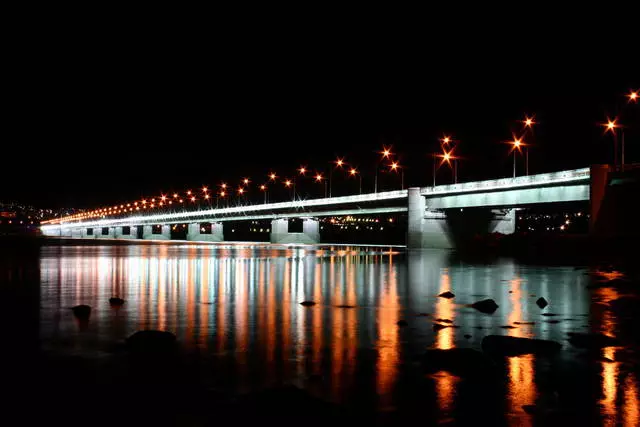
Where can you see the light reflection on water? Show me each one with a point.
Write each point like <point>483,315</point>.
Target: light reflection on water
<point>241,303</point>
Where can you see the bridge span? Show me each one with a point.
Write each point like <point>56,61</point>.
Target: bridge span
<point>434,213</point>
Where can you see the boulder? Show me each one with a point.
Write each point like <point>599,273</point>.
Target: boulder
<point>444,320</point>
<point>497,345</point>
<point>308,303</point>
<point>467,336</point>
<point>447,295</point>
<point>81,311</point>
<point>541,302</point>
<point>402,323</point>
<point>488,306</point>
<point>345,306</point>
<point>592,341</point>
<point>151,341</point>
<point>422,315</point>
<point>437,327</point>
<point>458,361</point>
<point>115,301</point>
<point>524,323</point>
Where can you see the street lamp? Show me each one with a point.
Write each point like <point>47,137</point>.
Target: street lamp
<point>517,145</point>
<point>354,172</point>
<point>319,178</point>
<point>288,184</point>
<point>446,156</point>
<point>611,126</point>
<point>394,167</point>
<point>264,189</point>
<point>339,163</point>
<point>633,96</point>
<point>386,154</point>
<point>528,123</point>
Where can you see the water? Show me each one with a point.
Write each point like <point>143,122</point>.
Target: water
<point>240,305</point>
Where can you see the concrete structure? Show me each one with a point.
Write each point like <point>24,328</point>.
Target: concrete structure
<point>280,232</point>
<point>437,216</point>
<point>104,232</point>
<point>121,232</point>
<point>148,234</point>
<point>195,232</point>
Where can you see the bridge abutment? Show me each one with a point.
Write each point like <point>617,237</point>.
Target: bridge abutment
<point>280,232</point>
<point>148,234</point>
<point>195,233</point>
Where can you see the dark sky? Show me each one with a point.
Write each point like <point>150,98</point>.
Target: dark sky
<point>103,116</point>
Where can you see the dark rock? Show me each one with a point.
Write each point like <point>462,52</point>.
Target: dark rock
<point>402,323</point>
<point>552,321</point>
<point>206,302</point>
<point>497,345</point>
<point>151,341</point>
<point>626,307</point>
<point>437,327</point>
<point>541,302</point>
<point>532,295</point>
<point>447,294</point>
<point>308,303</point>
<point>524,323</point>
<point>478,327</point>
<point>508,327</point>
<point>467,336</point>
<point>510,292</point>
<point>81,311</point>
<point>444,320</point>
<point>345,306</point>
<point>458,361</point>
<point>592,341</point>
<point>488,306</point>
<point>422,315</point>
<point>549,314</point>
<point>116,301</point>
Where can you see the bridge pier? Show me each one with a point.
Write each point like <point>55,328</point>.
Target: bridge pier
<point>194,233</point>
<point>104,232</point>
<point>88,233</point>
<point>310,232</point>
<point>126,232</point>
<point>443,228</point>
<point>165,234</point>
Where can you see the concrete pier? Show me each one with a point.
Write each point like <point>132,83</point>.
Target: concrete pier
<point>147,233</point>
<point>126,232</point>
<point>195,233</point>
<point>280,232</point>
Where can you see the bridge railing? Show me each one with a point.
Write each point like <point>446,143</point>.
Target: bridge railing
<point>576,175</point>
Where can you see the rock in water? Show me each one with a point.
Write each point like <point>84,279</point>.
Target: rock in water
<point>447,295</point>
<point>498,345</point>
<point>151,341</point>
<point>81,311</point>
<point>437,327</point>
<point>402,323</point>
<point>467,336</point>
<point>488,306</point>
<point>593,341</point>
<point>308,303</point>
<point>116,301</point>
<point>541,302</point>
<point>458,361</point>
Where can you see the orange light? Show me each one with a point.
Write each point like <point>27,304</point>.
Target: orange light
<point>163,198</point>
<point>144,202</point>
<point>135,204</point>
<point>272,176</point>
<point>263,187</point>
<point>206,196</point>
<point>287,183</point>
<point>339,162</point>
<point>222,194</point>
<point>386,152</point>
<point>170,202</point>
<point>353,171</point>
<point>223,185</point>
<point>188,192</point>
<point>302,170</point>
<point>246,181</point>
<point>161,203</point>
<point>318,177</point>
<point>175,195</point>
<point>394,165</point>
<point>633,96</point>
<point>181,201</point>
<point>517,142</point>
<point>193,199</point>
<point>128,204</point>
<point>528,122</point>
<point>446,140</point>
<point>205,189</point>
<point>240,190</point>
<point>611,125</point>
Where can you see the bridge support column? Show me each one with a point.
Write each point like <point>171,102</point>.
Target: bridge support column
<point>76,233</point>
<point>503,222</point>
<point>426,229</point>
<point>194,233</point>
<point>120,232</point>
<point>99,232</point>
<point>310,232</point>
<point>147,233</point>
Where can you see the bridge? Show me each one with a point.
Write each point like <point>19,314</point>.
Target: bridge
<point>435,214</point>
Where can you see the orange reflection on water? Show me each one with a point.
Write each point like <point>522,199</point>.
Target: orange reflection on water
<point>445,382</point>
<point>388,342</point>
<point>522,385</point>
<point>631,408</point>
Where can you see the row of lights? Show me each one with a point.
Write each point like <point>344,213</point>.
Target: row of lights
<point>447,145</point>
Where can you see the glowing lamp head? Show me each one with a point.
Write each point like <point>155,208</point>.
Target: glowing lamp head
<point>163,198</point>
<point>353,171</point>
<point>394,166</point>
<point>339,162</point>
<point>446,156</point>
<point>302,170</point>
<point>188,192</point>
<point>223,185</point>
<point>272,176</point>
<point>446,140</point>
<point>263,187</point>
<point>193,199</point>
<point>611,125</point>
<point>386,153</point>
<point>517,143</point>
<point>205,189</point>
<point>246,181</point>
<point>222,194</point>
<point>287,183</point>
<point>206,196</point>
<point>633,96</point>
<point>175,195</point>
<point>240,190</point>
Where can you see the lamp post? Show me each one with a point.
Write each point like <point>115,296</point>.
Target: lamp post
<point>339,163</point>
<point>394,167</point>
<point>611,126</point>
<point>517,144</point>
<point>528,126</point>
<point>288,184</point>
<point>263,188</point>
<point>319,178</point>
<point>386,153</point>
<point>354,172</point>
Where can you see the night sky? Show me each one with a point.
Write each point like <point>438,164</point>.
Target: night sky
<point>106,118</point>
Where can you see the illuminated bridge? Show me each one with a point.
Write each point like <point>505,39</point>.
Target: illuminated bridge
<point>430,211</point>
